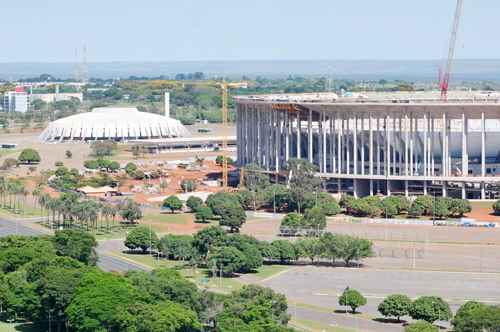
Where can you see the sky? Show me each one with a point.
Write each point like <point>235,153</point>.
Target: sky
<point>206,30</point>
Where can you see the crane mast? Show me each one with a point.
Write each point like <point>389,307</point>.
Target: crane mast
<point>445,76</point>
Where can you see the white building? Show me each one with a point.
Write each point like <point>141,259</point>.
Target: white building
<point>16,101</point>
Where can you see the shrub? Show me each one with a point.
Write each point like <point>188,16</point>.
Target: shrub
<point>130,168</point>
<point>68,154</point>
<point>58,164</point>
<point>193,203</point>
<point>458,207</point>
<point>292,224</point>
<point>496,208</point>
<point>425,203</point>
<point>328,204</point>
<point>8,163</point>
<point>440,208</point>
<point>188,185</point>
<point>421,326</point>
<point>91,164</point>
<point>352,298</point>
<point>416,210</point>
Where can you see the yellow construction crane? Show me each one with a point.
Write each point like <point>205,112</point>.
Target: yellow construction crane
<point>224,86</point>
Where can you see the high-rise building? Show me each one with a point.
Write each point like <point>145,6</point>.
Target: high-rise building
<point>16,101</point>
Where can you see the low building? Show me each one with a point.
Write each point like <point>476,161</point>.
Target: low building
<point>16,101</point>
<point>89,191</point>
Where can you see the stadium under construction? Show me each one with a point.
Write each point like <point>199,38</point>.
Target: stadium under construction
<point>388,143</point>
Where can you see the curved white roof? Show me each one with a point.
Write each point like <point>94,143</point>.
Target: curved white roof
<point>113,123</point>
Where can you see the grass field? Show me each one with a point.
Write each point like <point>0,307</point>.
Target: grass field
<point>17,327</point>
<point>314,326</point>
<point>26,212</point>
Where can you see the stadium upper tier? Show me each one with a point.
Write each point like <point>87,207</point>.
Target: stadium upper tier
<point>414,97</point>
<point>119,124</point>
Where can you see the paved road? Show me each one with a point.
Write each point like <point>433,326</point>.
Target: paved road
<point>106,261</point>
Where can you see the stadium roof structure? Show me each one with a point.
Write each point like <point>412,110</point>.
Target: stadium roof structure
<point>114,123</point>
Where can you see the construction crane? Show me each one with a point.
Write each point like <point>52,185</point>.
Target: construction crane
<point>224,86</point>
<point>444,75</point>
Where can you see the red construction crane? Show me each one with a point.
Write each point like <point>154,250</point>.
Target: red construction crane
<point>444,76</point>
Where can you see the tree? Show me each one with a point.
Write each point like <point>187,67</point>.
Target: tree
<point>173,203</point>
<point>421,326</point>
<point>130,168</point>
<point>69,154</point>
<point>302,181</point>
<point>101,303</point>
<point>166,316</point>
<point>102,148</point>
<point>395,306</point>
<point>283,251</point>
<point>430,309</point>
<point>310,248</point>
<point>76,244</point>
<point>255,178</point>
<point>476,316</point>
<point>113,166</point>
<point>166,285</point>
<point>177,246</point>
<point>315,220</point>
<point>352,298</point>
<point>227,260</point>
<point>353,248</point>
<point>292,224</point>
<point>194,203</point>
<point>233,216</point>
<point>203,214</point>
<point>208,238</point>
<point>29,156</point>
<point>130,211</point>
<point>221,201</point>
<point>141,237</point>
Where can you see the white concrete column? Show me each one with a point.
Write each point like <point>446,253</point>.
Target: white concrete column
<point>310,137</point>
<point>444,150</point>
<point>340,135</point>
<point>320,142</point>
<point>370,151</point>
<point>378,146</point>
<point>465,153</point>
<point>348,146</point>
<point>387,148</point>
<point>355,145</point>
<point>324,145</point>
<point>425,147</point>
<point>407,150</point>
<point>287,136</point>
<point>483,145</point>
<point>412,144</point>
<point>331,120</point>
<point>433,140</point>
<point>299,134</point>
<point>363,144</point>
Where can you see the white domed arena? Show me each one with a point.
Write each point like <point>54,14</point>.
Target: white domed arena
<point>112,123</point>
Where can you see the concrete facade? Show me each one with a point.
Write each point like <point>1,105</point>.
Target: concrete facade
<point>378,145</point>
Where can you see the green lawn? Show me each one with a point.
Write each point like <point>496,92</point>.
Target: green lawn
<point>17,327</point>
<point>26,212</point>
<point>315,326</point>
<point>6,152</point>
<point>267,271</point>
<point>171,218</point>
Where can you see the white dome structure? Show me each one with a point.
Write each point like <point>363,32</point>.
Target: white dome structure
<point>119,124</point>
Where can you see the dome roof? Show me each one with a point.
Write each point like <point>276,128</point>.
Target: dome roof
<point>113,123</point>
